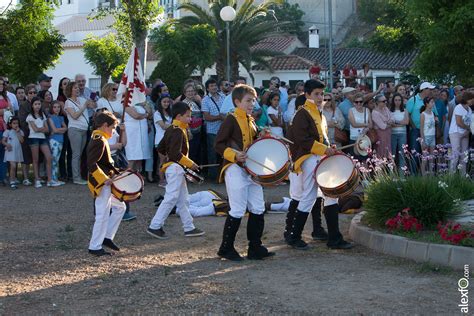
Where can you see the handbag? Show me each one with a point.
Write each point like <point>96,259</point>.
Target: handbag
<point>6,115</point>
<point>371,133</point>
<point>340,136</point>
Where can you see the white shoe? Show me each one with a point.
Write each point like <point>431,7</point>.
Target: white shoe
<point>38,184</point>
<point>53,183</point>
<point>27,182</point>
<point>81,182</point>
<point>61,182</point>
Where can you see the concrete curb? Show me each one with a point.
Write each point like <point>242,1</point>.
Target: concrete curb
<point>447,255</point>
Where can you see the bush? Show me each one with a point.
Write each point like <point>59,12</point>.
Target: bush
<point>459,187</point>
<point>428,202</point>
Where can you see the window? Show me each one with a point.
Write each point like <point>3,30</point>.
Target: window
<point>94,84</point>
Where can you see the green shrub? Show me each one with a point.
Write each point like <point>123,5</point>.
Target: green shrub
<point>428,202</point>
<point>459,187</point>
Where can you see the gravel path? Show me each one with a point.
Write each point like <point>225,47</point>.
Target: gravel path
<point>45,267</point>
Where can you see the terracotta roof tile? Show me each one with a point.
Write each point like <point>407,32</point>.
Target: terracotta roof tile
<point>275,43</point>
<point>82,23</point>
<point>357,57</point>
<point>287,62</point>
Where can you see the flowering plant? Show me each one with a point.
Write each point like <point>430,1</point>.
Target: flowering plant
<point>454,233</point>
<point>404,221</point>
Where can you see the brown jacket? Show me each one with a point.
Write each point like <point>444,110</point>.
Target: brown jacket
<point>238,131</point>
<point>175,145</point>
<point>308,131</point>
<point>100,164</point>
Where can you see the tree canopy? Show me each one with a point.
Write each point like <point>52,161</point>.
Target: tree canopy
<point>248,28</point>
<point>29,43</point>
<point>105,55</point>
<point>193,47</point>
<point>441,30</point>
<point>291,14</point>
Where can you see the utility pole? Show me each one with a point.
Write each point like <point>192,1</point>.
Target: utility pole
<point>330,44</point>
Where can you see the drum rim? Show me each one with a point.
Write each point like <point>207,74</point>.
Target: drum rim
<point>327,157</point>
<point>124,193</point>
<point>277,172</point>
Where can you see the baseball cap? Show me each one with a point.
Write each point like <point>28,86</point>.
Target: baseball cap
<point>426,85</point>
<point>348,89</point>
<point>44,77</point>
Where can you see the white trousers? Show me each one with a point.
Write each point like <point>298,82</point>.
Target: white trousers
<point>200,204</point>
<point>243,192</point>
<point>282,207</point>
<point>106,224</point>
<point>303,186</point>
<point>176,194</point>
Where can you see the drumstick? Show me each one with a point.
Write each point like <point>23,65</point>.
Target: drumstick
<point>256,162</point>
<point>346,146</point>
<point>210,165</point>
<point>121,176</point>
<point>283,138</point>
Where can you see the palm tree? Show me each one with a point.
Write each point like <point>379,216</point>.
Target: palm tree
<point>248,28</point>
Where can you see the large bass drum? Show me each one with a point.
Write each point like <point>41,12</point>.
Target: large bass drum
<point>337,175</point>
<point>269,161</point>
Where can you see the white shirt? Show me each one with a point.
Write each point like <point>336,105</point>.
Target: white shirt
<point>13,101</point>
<point>111,106</point>
<point>290,111</point>
<point>429,128</point>
<point>113,140</point>
<point>160,132</point>
<point>82,121</point>
<point>39,122</point>
<point>398,116</point>
<point>466,118</point>
<point>275,130</point>
<point>359,118</point>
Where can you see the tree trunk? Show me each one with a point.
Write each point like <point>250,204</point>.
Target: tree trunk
<point>104,79</point>
<point>141,44</point>
<point>220,69</point>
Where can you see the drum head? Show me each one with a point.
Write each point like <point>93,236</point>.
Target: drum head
<point>334,171</point>
<point>270,152</point>
<point>131,183</point>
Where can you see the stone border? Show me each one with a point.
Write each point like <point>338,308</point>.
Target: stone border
<point>447,255</point>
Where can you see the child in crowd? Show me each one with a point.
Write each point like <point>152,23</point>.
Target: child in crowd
<point>275,117</point>
<point>175,145</point>
<point>162,120</point>
<point>428,123</point>
<point>12,139</point>
<point>56,138</point>
<point>236,134</point>
<point>108,209</point>
<point>38,126</point>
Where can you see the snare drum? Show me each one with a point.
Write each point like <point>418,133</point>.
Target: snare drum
<point>274,154</point>
<point>337,175</point>
<point>128,186</point>
<point>192,176</point>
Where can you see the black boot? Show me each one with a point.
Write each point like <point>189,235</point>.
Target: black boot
<point>335,239</point>
<point>255,226</point>
<point>318,231</point>
<point>227,250</point>
<point>294,240</point>
<point>290,218</point>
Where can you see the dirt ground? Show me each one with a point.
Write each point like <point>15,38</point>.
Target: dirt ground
<point>45,267</point>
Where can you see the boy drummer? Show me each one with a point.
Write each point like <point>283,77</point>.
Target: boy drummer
<point>237,132</point>
<point>308,131</point>
<point>101,170</point>
<point>175,146</point>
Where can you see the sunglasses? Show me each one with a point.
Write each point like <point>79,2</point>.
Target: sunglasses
<point>383,101</point>
<point>114,89</point>
<point>327,99</point>
<point>358,102</point>
<point>32,92</point>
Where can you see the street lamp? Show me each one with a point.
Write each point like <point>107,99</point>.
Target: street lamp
<point>227,15</point>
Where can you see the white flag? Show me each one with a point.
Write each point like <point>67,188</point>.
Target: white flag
<point>132,86</point>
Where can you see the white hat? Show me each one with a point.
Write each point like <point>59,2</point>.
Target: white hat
<point>426,85</point>
<point>347,90</point>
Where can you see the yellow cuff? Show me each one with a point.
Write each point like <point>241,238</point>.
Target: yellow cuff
<point>99,176</point>
<point>229,154</point>
<point>318,148</point>
<point>185,161</point>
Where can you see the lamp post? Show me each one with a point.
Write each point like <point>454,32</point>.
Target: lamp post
<point>228,15</point>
